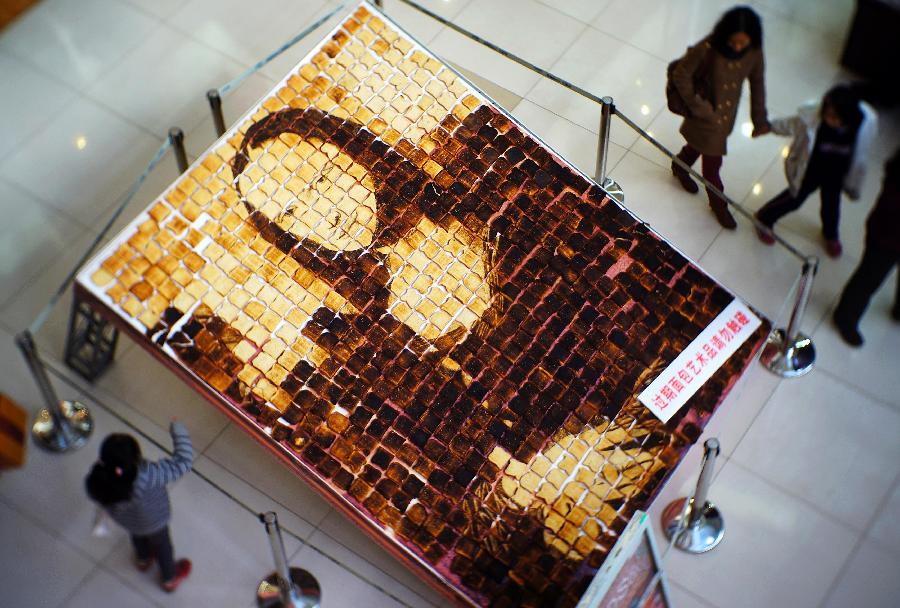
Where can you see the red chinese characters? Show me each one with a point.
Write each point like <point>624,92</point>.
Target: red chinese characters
<point>704,354</point>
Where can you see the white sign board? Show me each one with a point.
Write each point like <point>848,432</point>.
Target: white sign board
<point>700,360</point>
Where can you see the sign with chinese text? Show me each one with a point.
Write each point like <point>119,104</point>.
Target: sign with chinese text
<point>697,363</point>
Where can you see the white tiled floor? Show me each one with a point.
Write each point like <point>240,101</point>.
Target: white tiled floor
<point>809,473</point>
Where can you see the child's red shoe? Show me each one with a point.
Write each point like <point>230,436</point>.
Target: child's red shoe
<point>182,571</point>
<point>143,564</point>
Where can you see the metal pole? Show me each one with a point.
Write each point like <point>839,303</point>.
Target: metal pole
<point>62,425</point>
<point>286,587</point>
<point>215,105</point>
<point>788,352</point>
<point>607,111</point>
<point>707,469</point>
<point>176,136</point>
<point>702,527</point>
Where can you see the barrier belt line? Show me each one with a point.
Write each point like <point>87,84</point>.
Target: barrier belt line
<point>48,308</point>
<point>731,203</point>
<point>596,99</point>
<point>523,62</point>
<point>51,366</point>
<point>227,87</point>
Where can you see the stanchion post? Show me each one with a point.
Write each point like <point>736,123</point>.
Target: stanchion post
<point>695,525</point>
<point>176,137</point>
<point>286,587</point>
<point>788,352</point>
<point>607,111</point>
<point>215,106</point>
<point>61,425</point>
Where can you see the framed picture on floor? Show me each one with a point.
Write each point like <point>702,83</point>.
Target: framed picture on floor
<point>632,576</point>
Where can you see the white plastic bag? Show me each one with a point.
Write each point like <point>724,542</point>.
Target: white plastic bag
<point>101,524</point>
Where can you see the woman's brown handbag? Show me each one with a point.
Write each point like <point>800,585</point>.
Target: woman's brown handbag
<point>702,79</point>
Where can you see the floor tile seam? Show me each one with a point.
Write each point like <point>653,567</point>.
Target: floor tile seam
<point>199,41</point>
<point>79,585</point>
<point>129,50</point>
<point>88,87</point>
<point>891,407</point>
<point>117,199</point>
<point>64,374</point>
<point>99,396</point>
<point>73,94</point>
<point>684,589</point>
<point>644,157</point>
<point>427,43</point>
<point>82,88</point>
<point>611,168</point>
<point>240,503</point>
<point>128,583</point>
<point>29,61</point>
<point>775,159</point>
<point>32,280</point>
<point>551,64</point>
<point>44,202</point>
<point>314,525</point>
<point>206,448</point>
<point>624,41</point>
<point>140,8</point>
<point>877,515</point>
<point>6,326</point>
<point>640,134</point>
<point>746,430</point>
<point>358,575</point>
<point>561,12</point>
<point>859,543</point>
<point>101,102</point>
<point>809,504</point>
<point>244,66</point>
<point>565,118</point>
<point>57,536</point>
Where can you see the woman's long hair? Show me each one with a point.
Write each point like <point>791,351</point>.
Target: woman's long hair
<point>739,19</point>
<point>112,477</point>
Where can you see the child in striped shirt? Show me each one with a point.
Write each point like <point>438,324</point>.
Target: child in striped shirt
<point>133,492</point>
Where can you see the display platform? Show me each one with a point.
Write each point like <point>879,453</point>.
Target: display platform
<point>437,322</point>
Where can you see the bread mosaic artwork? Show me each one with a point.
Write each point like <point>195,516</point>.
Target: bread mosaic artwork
<point>430,312</point>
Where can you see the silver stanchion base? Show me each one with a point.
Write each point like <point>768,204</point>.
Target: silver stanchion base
<point>307,594</point>
<point>50,437</point>
<point>796,360</point>
<point>701,537</point>
<point>614,190</point>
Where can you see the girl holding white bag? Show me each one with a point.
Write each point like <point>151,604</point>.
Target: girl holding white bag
<point>829,153</point>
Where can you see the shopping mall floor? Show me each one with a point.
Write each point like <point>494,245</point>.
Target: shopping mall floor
<point>809,478</point>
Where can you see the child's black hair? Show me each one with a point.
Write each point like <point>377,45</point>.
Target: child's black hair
<point>112,477</point>
<point>845,102</point>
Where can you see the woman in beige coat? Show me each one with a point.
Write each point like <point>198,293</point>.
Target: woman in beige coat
<point>710,78</point>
